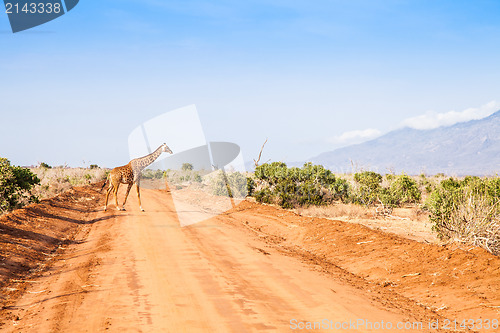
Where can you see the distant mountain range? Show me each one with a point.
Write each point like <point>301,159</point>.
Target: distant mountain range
<point>468,148</point>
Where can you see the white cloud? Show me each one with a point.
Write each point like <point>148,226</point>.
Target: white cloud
<point>432,119</point>
<point>353,137</point>
<point>429,120</point>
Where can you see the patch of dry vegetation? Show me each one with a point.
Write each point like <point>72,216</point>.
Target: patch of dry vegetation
<point>54,181</point>
<point>338,211</point>
<point>468,211</point>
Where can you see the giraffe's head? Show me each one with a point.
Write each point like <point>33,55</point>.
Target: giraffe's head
<point>165,149</point>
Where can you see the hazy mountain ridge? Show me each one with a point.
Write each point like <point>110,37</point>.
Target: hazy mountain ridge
<point>468,148</point>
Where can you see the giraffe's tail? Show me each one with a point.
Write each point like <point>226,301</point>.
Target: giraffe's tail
<point>104,184</point>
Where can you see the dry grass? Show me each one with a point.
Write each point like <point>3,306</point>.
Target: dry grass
<point>475,220</point>
<point>57,180</point>
<point>343,211</point>
<point>339,211</point>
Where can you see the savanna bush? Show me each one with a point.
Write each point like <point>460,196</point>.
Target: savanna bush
<point>293,187</point>
<point>45,165</point>
<point>187,167</point>
<point>16,184</point>
<point>402,190</point>
<point>467,210</point>
<point>368,190</point>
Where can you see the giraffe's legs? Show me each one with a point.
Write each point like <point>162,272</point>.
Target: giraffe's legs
<point>107,195</point>
<point>139,196</point>
<point>126,195</point>
<point>115,192</point>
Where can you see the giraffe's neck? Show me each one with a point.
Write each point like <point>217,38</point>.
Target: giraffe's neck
<point>141,163</point>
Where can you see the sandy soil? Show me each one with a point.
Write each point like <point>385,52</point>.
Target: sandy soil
<point>67,266</point>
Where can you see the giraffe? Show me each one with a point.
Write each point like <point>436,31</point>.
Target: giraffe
<point>130,174</point>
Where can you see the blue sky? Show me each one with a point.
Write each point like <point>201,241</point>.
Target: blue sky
<point>309,75</point>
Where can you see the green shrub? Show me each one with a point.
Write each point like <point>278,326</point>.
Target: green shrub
<point>250,186</point>
<point>271,173</point>
<point>403,190</point>
<point>187,167</point>
<point>369,179</point>
<point>45,165</point>
<point>368,188</point>
<point>265,196</point>
<point>292,187</point>
<point>197,178</point>
<point>15,186</point>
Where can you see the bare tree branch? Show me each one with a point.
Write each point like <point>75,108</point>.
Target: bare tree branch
<point>260,154</point>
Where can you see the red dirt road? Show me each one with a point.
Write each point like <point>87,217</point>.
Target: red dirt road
<point>256,268</point>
